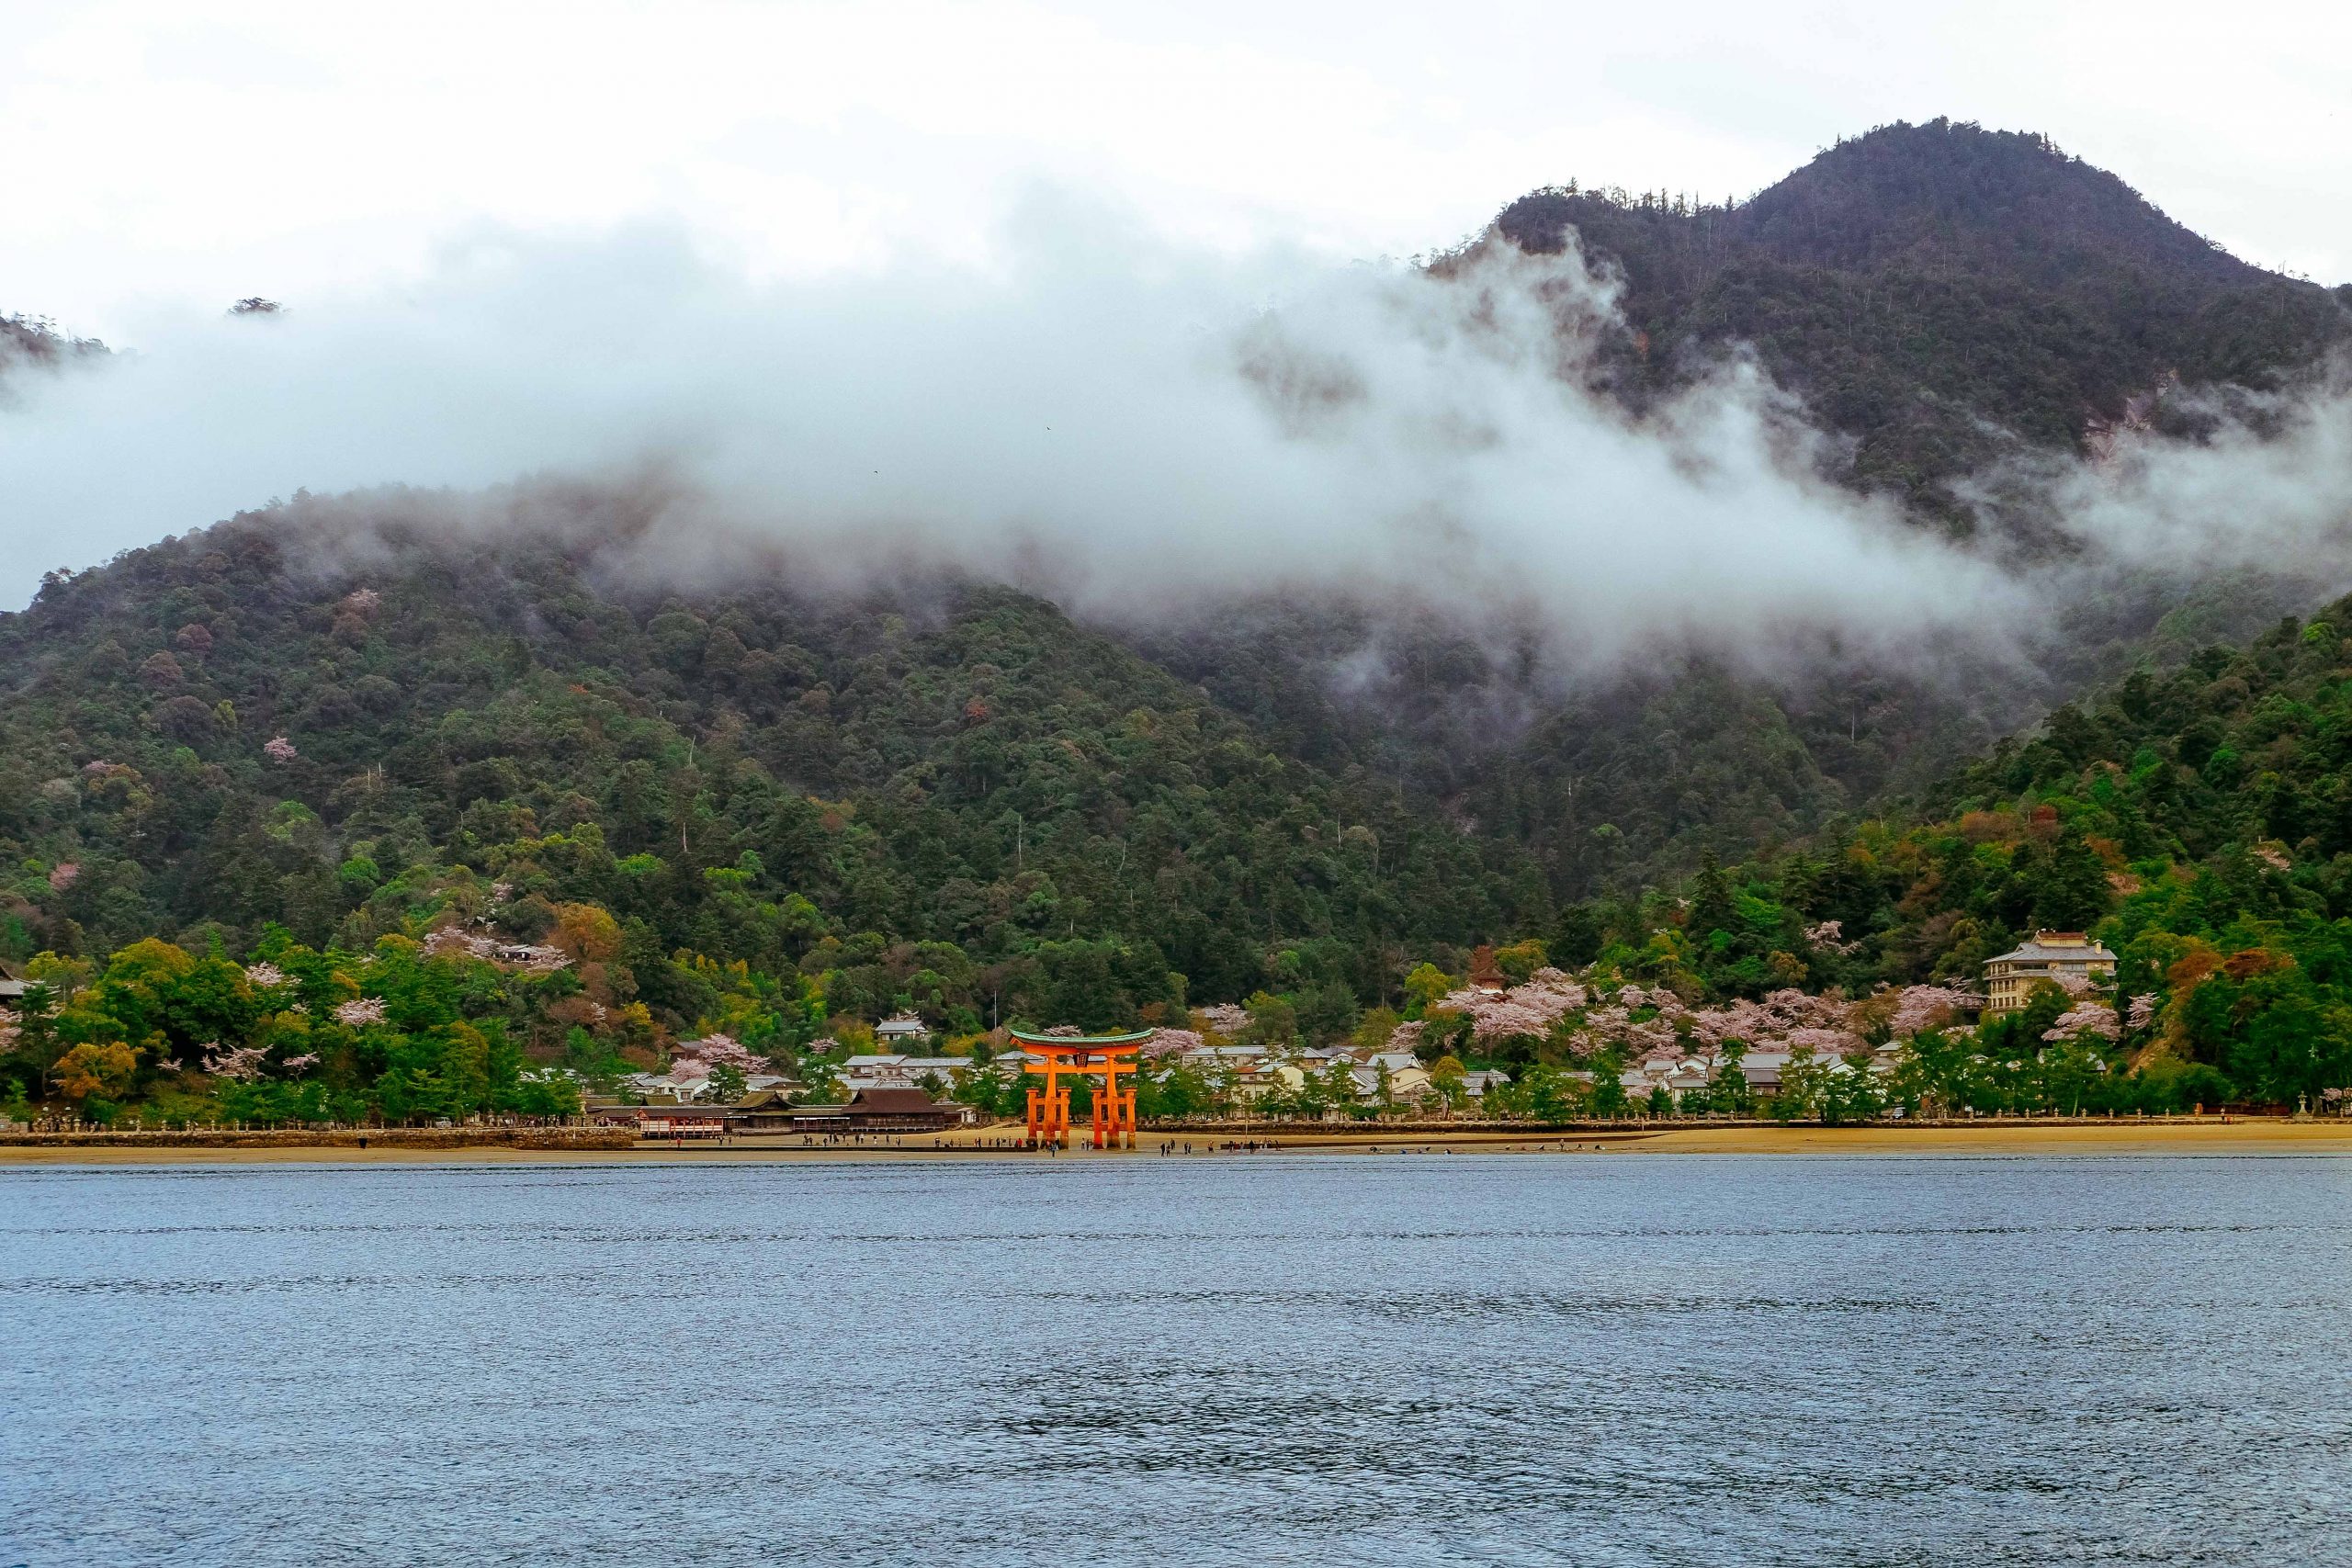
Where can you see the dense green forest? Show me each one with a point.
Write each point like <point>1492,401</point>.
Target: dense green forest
<point>1614,784</point>
<point>2199,822</point>
<point>783,819</point>
<point>211,736</point>
<point>308,740</point>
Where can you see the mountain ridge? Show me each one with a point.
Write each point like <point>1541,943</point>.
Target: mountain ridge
<point>1926,286</point>
<point>1439,791</point>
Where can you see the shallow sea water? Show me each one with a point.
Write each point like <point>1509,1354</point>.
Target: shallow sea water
<point>1258,1360</point>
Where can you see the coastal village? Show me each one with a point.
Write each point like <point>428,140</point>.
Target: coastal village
<point>1507,1045</point>
<point>1675,1059</point>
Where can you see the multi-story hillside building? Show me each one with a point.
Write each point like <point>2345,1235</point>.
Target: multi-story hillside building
<point>2055,956</point>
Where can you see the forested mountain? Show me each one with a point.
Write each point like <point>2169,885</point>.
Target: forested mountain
<point>1939,291</point>
<point>2199,822</point>
<point>780,818</point>
<point>955,793</point>
<point>1943,297</point>
<point>221,730</point>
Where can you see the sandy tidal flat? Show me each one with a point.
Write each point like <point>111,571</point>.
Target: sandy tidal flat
<point>2210,1137</point>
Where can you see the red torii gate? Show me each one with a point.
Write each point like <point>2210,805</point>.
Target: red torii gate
<point>1083,1056</point>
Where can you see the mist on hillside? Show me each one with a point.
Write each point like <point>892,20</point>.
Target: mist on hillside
<point>1135,429</point>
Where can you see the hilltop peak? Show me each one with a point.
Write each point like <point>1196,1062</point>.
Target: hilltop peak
<point>1901,187</point>
<point>1941,293</point>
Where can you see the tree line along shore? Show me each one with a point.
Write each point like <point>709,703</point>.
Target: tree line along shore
<point>460,1024</point>
<point>2190,822</point>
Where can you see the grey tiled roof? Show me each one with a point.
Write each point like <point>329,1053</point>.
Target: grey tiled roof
<point>2035,949</point>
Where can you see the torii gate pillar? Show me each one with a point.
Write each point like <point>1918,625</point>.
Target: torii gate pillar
<point>1108,1055</point>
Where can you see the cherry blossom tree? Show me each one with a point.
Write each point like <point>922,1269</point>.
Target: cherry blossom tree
<point>1774,1020</point>
<point>1924,1007</point>
<point>1533,1008</point>
<point>243,1064</point>
<point>1830,937</point>
<point>1738,1020</point>
<point>457,940</point>
<point>2143,1011</point>
<point>268,976</point>
<point>2088,1018</point>
<point>1826,1042</point>
<point>279,749</point>
<point>1227,1019</point>
<point>359,1012</point>
<point>718,1051</point>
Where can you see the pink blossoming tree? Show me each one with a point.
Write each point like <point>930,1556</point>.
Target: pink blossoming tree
<point>243,1064</point>
<point>1531,1008</point>
<point>718,1051</point>
<point>1172,1042</point>
<point>2090,1018</point>
<point>1926,1006</point>
<point>1227,1019</point>
<point>1830,937</point>
<point>456,941</point>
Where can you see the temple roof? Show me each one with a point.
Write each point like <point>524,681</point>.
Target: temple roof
<point>2049,947</point>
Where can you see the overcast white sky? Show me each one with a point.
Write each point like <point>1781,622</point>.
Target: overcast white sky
<point>158,155</point>
<point>959,277</point>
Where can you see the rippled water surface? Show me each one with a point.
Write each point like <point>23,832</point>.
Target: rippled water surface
<point>1282,1360</point>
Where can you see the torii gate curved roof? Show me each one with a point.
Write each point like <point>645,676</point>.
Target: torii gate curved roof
<point>1080,1042</point>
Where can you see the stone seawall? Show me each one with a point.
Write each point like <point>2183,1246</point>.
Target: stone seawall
<point>558,1138</point>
